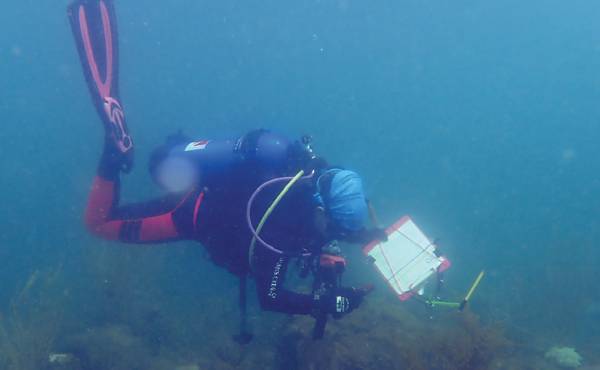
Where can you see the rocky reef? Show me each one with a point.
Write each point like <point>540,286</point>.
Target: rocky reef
<point>565,357</point>
<point>121,317</point>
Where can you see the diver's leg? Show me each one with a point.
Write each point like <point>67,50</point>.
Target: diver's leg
<point>95,30</point>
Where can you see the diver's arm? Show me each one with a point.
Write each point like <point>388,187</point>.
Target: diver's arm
<point>270,276</point>
<point>273,297</point>
<point>133,224</point>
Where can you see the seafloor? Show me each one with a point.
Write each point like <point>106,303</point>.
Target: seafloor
<point>127,309</point>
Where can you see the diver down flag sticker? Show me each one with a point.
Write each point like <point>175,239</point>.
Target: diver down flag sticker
<point>197,145</point>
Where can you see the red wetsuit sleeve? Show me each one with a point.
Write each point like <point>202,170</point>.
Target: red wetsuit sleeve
<point>100,218</point>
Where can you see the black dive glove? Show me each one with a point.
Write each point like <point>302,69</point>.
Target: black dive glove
<point>111,161</point>
<point>342,301</point>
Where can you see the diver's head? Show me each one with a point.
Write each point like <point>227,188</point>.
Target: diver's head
<point>173,173</point>
<point>342,206</point>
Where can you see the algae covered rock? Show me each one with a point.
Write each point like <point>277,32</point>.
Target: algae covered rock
<point>383,335</point>
<point>566,357</point>
<point>188,367</point>
<point>63,361</point>
<point>113,347</point>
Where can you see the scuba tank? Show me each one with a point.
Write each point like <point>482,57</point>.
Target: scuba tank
<point>181,162</point>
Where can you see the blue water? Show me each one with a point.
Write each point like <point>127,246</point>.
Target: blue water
<point>479,119</point>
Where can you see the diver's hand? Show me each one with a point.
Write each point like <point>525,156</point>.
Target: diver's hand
<point>342,301</point>
<point>368,235</point>
<point>378,234</point>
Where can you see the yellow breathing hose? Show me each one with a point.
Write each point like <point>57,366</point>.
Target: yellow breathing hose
<point>268,212</point>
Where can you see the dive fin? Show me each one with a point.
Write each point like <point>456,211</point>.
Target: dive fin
<point>94,27</point>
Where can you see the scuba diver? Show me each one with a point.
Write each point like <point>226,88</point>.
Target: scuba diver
<point>218,191</point>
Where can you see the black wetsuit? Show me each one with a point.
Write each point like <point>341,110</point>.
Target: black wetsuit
<point>214,212</point>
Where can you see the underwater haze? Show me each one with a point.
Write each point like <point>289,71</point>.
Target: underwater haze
<point>479,119</point>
